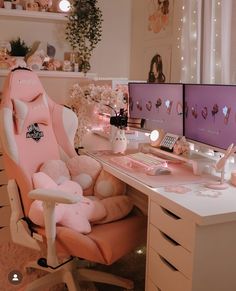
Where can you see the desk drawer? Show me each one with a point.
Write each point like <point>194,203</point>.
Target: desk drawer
<point>179,229</point>
<point>5,213</point>
<point>151,286</point>
<point>5,234</point>
<point>1,162</point>
<point>171,250</point>
<point>3,177</point>
<point>166,276</point>
<point>4,200</point>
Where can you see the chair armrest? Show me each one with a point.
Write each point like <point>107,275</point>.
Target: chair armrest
<point>57,196</point>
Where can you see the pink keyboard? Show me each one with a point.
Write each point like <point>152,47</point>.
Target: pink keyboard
<point>138,162</point>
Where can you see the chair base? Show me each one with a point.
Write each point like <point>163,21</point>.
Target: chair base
<point>73,275</point>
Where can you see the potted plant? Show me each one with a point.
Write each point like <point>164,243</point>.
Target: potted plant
<point>18,47</point>
<point>84,30</point>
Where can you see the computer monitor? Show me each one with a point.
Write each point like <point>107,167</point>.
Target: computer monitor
<point>210,114</point>
<point>159,104</point>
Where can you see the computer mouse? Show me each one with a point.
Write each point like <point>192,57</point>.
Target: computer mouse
<point>155,171</point>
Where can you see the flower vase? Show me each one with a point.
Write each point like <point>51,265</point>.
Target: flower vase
<point>119,141</point>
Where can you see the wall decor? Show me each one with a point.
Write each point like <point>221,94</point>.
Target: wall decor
<point>159,18</point>
<point>157,60</point>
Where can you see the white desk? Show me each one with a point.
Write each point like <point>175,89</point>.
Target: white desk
<point>191,243</point>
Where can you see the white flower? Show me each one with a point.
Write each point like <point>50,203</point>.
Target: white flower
<point>88,102</point>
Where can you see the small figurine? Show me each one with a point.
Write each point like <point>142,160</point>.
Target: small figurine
<point>181,147</point>
<point>45,4</point>
<point>6,62</point>
<point>31,5</point>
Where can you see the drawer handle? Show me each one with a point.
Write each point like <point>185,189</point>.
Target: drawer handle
<point>169,213</point>
<point>169,265</point>
<point>169,239</point>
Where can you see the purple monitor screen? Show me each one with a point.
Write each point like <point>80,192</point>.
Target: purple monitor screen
<point>161,105</point>
<point>210,114</point>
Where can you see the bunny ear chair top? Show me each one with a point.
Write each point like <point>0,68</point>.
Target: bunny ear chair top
<point>220,167</point>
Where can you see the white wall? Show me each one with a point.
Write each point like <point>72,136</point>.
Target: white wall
<point>145,44</point>
<point>111,58</point>
<point>112,55</point>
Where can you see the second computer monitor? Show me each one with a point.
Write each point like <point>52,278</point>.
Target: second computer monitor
<point>160,105</point>
<point>210,114</point>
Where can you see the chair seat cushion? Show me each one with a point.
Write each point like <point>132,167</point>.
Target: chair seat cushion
<point>106,243</point>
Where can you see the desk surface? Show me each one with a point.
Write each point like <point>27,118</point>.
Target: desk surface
<point>192,199</point>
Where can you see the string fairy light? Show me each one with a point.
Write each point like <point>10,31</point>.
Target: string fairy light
<point>215,64</point>
<point>187,41</point>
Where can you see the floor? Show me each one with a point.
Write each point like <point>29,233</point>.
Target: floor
<point>15,257</point>
<point>132,267</point>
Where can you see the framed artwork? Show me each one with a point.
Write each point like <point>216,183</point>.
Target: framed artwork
<point>157,60</point>
<point>159,15</point>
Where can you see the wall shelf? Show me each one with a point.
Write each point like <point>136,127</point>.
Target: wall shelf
<point>57,74</point>
<point>33,15</point>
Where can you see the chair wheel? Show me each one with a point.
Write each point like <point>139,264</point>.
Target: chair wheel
<point>42,262</point>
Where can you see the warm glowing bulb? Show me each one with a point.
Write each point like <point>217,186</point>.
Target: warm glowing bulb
<point>154,135</point>
<point>64,5</point>
<point>139,252</point>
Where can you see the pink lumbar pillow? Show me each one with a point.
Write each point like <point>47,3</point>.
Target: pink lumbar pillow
<point>76,216</point>
<point>84,170</point>
<point>104,186</point>
<point>116,207</point>
<point>108,185</point>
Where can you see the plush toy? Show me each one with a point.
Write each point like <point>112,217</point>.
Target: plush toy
<point>107,204</point>
<point>104,186</point>
<point>6,62</point>
<point>76,216</point>
<point>84,170</point>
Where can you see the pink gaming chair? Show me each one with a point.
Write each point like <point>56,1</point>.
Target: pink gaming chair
<point>30,137</point>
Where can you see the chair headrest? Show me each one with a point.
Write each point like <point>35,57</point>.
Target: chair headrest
<point>23,85</point>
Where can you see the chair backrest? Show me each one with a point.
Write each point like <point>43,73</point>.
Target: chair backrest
<point>33,129</point>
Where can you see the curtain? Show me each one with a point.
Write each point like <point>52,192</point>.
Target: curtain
<point>207,41</point>
<point>216,46</point>
<point>191,41</point>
